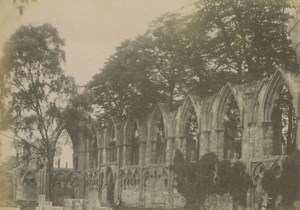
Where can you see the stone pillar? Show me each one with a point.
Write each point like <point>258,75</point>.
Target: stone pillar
<point>99,157</point>
<point>104,156</point>
<point>153,151</point>
<point>267,138</point>
<point>252,134</point>
<point>144,150</point>
<point>202,149</point>
<point>219,143</point>
<point>182,146</point>
<point>213,142</point>
<point>207,141</point>
<point>170,150</point>
<point>119,155</point>
<point>119,135</point>
<point>124,155</point>
<point>87,157</point>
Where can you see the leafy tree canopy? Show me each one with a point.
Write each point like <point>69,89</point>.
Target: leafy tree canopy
<point>246,37</point>
<point>219,42</point>
<point>123,87</point>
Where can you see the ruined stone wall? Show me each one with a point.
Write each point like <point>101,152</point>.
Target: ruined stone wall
<point>68,184</point>
<point>143,180</point>
<point>150,184</point>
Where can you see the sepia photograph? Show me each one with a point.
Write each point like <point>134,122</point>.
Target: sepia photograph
<point>149,104</point>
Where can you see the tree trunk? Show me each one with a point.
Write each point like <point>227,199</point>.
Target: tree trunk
<point>50,179</point>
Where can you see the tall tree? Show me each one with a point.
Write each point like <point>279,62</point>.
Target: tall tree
<point>169,51</point>
<point>246,37</point>
<point>37,86</point>
<point>123,86</point>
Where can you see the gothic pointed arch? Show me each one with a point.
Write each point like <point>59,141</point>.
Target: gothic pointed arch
<point>110,143</point>
<point>157,135</point>
<point>189,104</point>
<point>64,157</point>
<point>229,116</point>
<point>278,79</point>
<point>226,94</point>
<point>278,111</point>
<point>101,144</point>
<point>94,146</point>
<point>188,128</point>
<point>132,142</point>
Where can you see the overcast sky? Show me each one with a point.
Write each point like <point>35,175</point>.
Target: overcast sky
<point>91,29</point>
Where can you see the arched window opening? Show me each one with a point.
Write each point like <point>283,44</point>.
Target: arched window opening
<point>94,153</point>
<point>111,149</point>
<point>161,141</point>
<point>284,123</point>
<point>64,151</point>
<point>233,130</point>
<point>191,130</point>
<point>134,146</point>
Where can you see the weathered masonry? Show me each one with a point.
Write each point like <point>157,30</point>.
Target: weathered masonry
<point>128,162</point>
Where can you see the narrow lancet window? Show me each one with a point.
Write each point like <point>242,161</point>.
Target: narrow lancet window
<point>191,129</point>
<point>284,123</point>
<point>233,131</point>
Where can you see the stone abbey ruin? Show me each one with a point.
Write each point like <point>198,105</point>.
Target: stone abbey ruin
<point>129,162</point>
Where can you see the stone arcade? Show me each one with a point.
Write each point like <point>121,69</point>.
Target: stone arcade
<point>128,162</point>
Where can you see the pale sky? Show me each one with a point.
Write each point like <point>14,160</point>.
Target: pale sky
<point>91,29</point>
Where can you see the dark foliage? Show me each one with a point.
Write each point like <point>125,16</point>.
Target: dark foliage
<point>197,180</point>
<point>224,169</point>
<point>239,184</point>
<point>286,185</point>
<point>290,179</point>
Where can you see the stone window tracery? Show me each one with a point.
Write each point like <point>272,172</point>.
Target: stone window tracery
<point>161,142</point>
<point>284,123</point>
<point>191,130</point>
<point>233,130</point>
<point>111,150</point>
<point>134,146</point>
